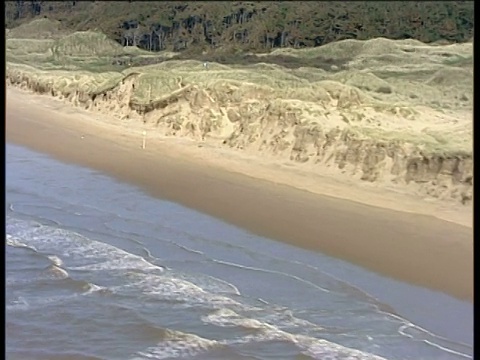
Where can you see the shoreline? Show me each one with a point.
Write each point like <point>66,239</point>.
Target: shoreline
<point>415,248</point>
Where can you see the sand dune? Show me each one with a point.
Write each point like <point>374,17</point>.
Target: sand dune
<point>396,113</point>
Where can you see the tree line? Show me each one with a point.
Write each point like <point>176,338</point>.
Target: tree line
<point>252,26</point>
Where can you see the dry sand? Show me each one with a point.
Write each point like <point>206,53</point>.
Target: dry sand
<point>402,236</point>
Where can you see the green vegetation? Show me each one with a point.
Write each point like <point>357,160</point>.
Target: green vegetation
<point>260,26</point>
<point>363,85</point>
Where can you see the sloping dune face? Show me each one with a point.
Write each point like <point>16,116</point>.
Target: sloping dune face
<point>394,111</point>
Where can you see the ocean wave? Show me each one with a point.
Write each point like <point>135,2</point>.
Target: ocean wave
<point>146,330</point>
<point>209,283</point>
<point>24,304</point>
<point>343,288</point>
<point>228,318</point>
<point>310,346</point>
<point>56,272</point>
<point>177,344</point>
<point>127,262</point>
<point>79,251</point>
<point>80,288</point>
<point>418,333</point>
<point>297,278</point>
<point>56,261</point>
<point>69,251</point>
<point>76,252</point>
<point>193,290</point>
<point>170,288</point>
<point>16,242</point>
<point>269,328</point>
<point>44,355</point>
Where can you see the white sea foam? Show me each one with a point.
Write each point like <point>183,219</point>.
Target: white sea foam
<point>15,242</point>
<point>83,253</point>
<point>93,288</point>
<point>170,288</point>
<point>23,304</point>
<point>272,272</point>
<point>121,263</point>
<point>227,318</point>
<point>57,272</point>
<point>317,348</point>
<point>211,284</point>
<point>326,350</point>
<point>178,344</point>
<point>38,302</point>
<point>402,331</point>
<point>55,260</point>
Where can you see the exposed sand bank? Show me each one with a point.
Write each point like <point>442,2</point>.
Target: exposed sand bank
<point>261,195</point>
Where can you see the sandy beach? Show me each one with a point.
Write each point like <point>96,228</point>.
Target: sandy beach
<point>390,233</point>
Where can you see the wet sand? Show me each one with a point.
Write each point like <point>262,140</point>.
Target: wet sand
<point>419,249</point>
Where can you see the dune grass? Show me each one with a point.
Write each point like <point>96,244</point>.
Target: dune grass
<point>37,29</point>
<point>86,62</point>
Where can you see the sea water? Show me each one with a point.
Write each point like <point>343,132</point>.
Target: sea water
<point>97,269</point>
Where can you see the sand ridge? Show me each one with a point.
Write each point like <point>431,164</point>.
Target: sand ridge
<point>411,247</point>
